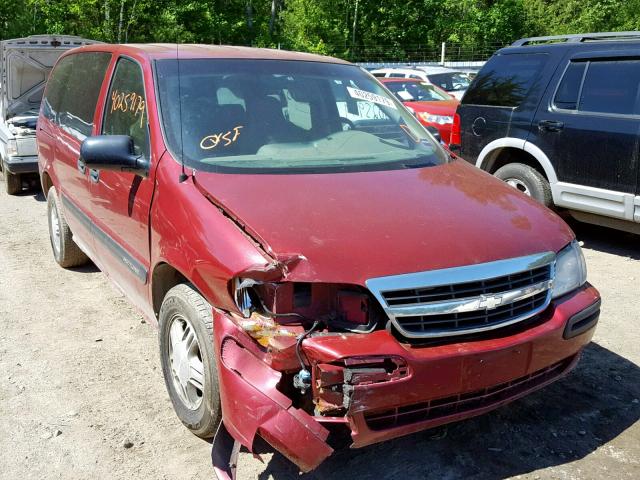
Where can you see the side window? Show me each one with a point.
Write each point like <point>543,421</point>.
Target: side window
<point>611,87</point>
<point>56,86</point>
<point>126,106</point>
<point>397,75</point>
<point>417,77</point>
<point>72,91</point>
<point>569,89</point>
<point>505,80</point>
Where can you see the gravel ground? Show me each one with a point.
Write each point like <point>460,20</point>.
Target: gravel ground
<point>82,396</point>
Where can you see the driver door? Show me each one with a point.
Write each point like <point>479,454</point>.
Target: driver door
<point>122,200</point>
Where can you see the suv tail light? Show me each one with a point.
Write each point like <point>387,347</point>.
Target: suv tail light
<point>455,131</point>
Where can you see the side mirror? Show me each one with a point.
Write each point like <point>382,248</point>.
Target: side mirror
<point>113,152</point>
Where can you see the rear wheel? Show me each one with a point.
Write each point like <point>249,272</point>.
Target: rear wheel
<point>527,180</point>
<point>188,360</point>
<point>65,250</point>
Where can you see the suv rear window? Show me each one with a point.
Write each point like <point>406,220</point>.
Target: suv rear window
<point>505,80</point>
<point>607,87</point>
<point>611,87</point>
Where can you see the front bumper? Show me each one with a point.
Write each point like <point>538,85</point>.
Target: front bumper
<point>17,165</point>
<point>416,388</point>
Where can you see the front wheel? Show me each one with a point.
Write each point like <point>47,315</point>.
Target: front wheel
<point>188,360</point>
<point>527,180</point>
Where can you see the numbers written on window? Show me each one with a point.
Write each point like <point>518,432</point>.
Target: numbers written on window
<point>126,112</point>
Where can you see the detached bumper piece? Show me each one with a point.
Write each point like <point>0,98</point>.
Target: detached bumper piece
<point>251,404</point>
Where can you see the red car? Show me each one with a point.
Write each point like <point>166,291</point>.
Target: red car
<point>313,260</point>
<point>433,107</point>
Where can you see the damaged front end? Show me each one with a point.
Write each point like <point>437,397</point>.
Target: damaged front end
<point>307,366</point>
<point>270,386</point>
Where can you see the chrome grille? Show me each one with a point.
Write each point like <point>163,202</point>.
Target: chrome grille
<point>469,299</point>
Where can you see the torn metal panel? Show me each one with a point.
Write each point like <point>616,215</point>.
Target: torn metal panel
<point>251,402</point>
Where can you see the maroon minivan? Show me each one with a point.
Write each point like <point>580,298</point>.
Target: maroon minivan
<point>314,262</point>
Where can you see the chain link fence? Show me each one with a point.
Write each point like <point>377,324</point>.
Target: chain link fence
<point>447,53</point>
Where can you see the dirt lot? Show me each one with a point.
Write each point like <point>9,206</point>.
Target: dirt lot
<point>82,396</point>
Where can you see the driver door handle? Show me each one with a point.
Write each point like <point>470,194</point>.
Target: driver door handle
<point>550,125</point>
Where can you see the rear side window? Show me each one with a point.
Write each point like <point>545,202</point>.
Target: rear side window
<point>505,80</point>
<point>56,86</point>
<point>77,96</point>
<point>569,89</point>
<point>126,109</point>
<point>611,87</point>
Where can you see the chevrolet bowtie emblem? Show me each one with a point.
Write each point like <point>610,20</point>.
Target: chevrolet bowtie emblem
<point>489,302</point>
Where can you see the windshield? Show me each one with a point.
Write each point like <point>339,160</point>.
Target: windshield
<point>274,116</point>
<point>450,81</point>
<point>416,92</point>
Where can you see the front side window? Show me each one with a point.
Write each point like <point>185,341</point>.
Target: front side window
<point>126,106</point>
<point>285,117</point>
<point>416,92</point>
<point>505,80</point>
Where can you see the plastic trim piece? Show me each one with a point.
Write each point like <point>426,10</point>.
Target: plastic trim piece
<point>582,321</point>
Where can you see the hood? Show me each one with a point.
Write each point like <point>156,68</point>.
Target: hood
<point>444,107</point>
<point>25,66</point>
<point>350,227</point>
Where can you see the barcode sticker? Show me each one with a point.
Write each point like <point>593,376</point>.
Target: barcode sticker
<point>371,97</point>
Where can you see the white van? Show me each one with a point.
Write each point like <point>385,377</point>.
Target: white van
<point>25,64</point>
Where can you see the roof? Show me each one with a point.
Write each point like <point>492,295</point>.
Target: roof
<point>154,51</point>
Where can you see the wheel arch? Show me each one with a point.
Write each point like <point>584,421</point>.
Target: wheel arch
<point>163,278</point>
<point>45,182</point>
<point>501,151</point>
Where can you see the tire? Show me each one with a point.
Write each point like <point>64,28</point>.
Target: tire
<point>12,183</point>
<point>527,180</point>
<point>65,250</point>
<point>185,315</point>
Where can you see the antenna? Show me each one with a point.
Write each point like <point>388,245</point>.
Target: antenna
<point>183,175</point>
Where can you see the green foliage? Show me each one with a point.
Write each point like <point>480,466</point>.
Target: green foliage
<point>346,28</point>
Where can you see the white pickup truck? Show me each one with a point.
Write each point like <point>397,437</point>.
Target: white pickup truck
<point>25,64</point>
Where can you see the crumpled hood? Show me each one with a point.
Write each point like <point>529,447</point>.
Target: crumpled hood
<point>349,227</point>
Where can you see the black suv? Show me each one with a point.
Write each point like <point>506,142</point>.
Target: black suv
<point>559,118</point>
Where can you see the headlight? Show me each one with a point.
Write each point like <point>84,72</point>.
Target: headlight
<point>12,148</point>
<point>439,119</point>
<point>571,270</point>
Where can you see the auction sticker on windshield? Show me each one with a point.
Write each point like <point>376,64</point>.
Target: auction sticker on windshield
<point>370,97</point>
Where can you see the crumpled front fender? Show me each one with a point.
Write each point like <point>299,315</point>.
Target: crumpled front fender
<point>251,402</point>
